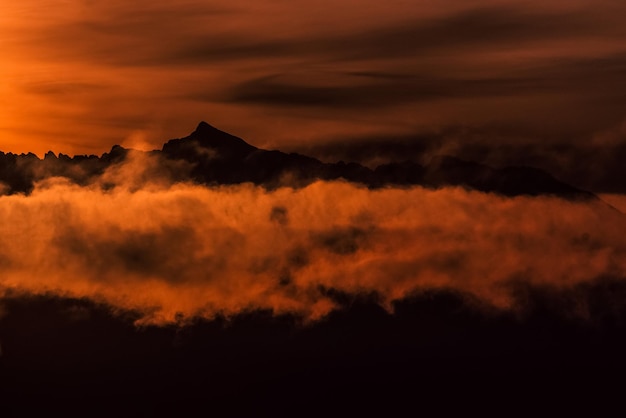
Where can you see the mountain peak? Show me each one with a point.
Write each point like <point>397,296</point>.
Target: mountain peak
<point>205,136</point>
<point>204,127</point>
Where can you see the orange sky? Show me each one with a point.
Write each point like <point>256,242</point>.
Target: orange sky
<point>80,76</point>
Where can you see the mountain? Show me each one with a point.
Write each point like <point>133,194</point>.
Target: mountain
<point>439,353</point>
<point>210,156</point>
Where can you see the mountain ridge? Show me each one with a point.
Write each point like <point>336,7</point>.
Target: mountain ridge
<point>216,157</point>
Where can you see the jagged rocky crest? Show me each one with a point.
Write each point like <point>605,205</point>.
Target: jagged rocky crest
<point>212,157</point>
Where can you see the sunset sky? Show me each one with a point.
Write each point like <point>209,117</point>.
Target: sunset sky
<point>525,78</point>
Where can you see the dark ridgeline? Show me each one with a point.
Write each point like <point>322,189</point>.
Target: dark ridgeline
<point>215,157</point>
<point>439,354</point>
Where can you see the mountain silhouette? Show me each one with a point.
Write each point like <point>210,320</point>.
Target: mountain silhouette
<point>437,344</point>
<point>214,157</point>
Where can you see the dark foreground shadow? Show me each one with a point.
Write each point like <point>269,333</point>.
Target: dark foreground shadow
<point>439,354</point>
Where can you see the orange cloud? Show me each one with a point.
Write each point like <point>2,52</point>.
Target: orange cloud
<point>170,249</point>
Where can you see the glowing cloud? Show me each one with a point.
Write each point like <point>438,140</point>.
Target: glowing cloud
<point>171,249</point>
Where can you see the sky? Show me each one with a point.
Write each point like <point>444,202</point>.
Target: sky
<point>506,82</point>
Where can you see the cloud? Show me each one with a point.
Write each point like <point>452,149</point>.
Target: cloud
<point>592,162</point>
<point>373,93</point>
<point>482,28</point>
<point>180,250</point>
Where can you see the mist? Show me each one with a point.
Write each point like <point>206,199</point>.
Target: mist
<point>175,251</point>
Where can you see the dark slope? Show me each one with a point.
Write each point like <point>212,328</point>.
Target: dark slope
<point>216,157</point>
<point>220,158</point>
<point>450,171</point>
<point>18,173</point>
<point>439,354</point>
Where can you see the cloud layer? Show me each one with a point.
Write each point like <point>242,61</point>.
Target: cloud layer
<point>168,250</point>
